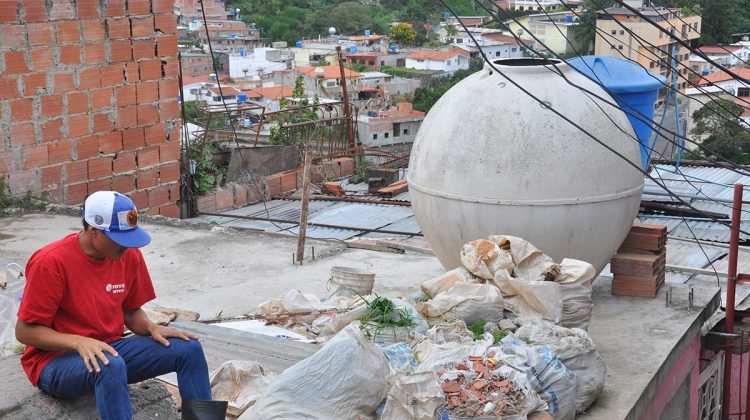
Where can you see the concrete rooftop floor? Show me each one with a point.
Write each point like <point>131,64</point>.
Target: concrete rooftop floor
<point>213,270</point>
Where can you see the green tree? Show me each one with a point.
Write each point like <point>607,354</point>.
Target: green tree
<point>403,34</point>
<point>425,97</point>
<point>585,31</point>
<point>719,119</point>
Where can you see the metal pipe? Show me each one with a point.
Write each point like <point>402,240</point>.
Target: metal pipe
<point>323,225</point>
<point>731,282</point>
<point>693,197</point>
<point>355,200</point>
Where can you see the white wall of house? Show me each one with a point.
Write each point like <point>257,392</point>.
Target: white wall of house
<point>450,65</point>
<point>254,65</point>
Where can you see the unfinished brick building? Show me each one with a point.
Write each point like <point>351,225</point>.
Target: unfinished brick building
<point>89,100</point>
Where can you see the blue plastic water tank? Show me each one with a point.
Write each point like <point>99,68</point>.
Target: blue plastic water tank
<point>568,18</point>
<point>242,97</point>
<point>353,49</point>
<point>634,88</point>
<point>446,15</point>
<point>367,32</point>
<point>242,52</point>
<point>298,44</point>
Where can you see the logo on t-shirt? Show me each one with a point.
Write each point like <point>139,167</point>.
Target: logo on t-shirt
<point>115,288</point>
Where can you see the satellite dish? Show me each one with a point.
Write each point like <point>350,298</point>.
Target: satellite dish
<point>331,31</point>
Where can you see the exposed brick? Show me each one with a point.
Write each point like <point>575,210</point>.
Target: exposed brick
<point>123,183</point>
<point>113,75</point>
<point>62,9</point>
<point>75,193</point>
<point>93,30</point>
<point>169,110</point>
<point>103,123</point>
<point>166,23</point>
<point>68,31</point>
<point>126,117</point>
<point>144,48</point>
<point>35,156</point>
<point>63,82</point>
<point>114,8</point>
<point>140,199</point>
<point>224,200</point>
<point>168,89</point>
<point>169,151</point>
<point>41,59</point>
<point>132,71</point>
<point>139,7</point>
<point>132,138</point>
<point>36,11</point>
<point>78,125</point>
<point>142,27</point>
<point>51,176</point>
<point>124,162</point>
<point>118,28</point>
<point>147,114</point>
<point>125,95</point>
<point>148,156</point>
<point>8,87</point>
<point>104,184</point>
<point>99,167</point>
<point>162,6</point>
<point>70,55</point>
<point>169,172</point>
<point>15,62</point>
<point>207,203</point>
<point>34,82</point>
<point>40,34</point>
<point>21,110</point>
<point>59,152</point>
<point>101,98</point>
<point>154,134</point>
<point>87,147</point>
<point>158,196</point>
<point>147,92</point>
<point>52,105</point>
<point>13,36</point>
<point>174,191</point>
<point>170,210</point>
<point>288,181</point>
<point>240,195</point>
<point>52,130</point>
<point>150,70</point>
<point>110,142</point>
<point>77,102</point>
<point>170,68</point>
<point>22,134</point>
<point>147,178</point>
<point>8,12</point>
<point>94,53</point>
<point>166,46</point>
<point>88,9</point>
<point>120,50</point>
<point>89,78</point>
<point>176,131</point>
<point>75,171</point>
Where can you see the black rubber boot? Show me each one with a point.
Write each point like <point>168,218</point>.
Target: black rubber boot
<point>204,410</point>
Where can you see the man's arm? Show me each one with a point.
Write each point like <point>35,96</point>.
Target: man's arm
<point>137,321</point>
<point>45,338</point>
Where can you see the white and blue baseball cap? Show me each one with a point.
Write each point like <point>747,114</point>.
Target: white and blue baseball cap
<point>115,215</point>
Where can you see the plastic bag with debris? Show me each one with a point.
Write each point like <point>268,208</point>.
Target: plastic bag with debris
<point>239,382</point>
<point>532,298</point>
<point>529,262</point>
<point>440,284</point>
<point>575,283</point>
<point>465,301</point>
<point>434,354</point>
<point>576,350</point>
<point>547,374</point>
<point>414,397</point>
<point>345,379</point>
<point>12,283</point>
<point>484,258</point>
<point>401,358</point>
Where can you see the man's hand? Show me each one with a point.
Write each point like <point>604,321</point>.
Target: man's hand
<point>160,333</point>
<point>91,349</point>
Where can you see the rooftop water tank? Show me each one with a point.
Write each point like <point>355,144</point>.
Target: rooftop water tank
<point>367,32</point>
<point>633,87</point>
<point>488,159</point>
<point>242,97</point>
<point>298,44</point>
<point>352,49</point>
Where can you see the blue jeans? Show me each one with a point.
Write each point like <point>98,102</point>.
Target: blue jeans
<point>140,358</point>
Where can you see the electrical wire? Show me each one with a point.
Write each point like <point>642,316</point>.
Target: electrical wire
<point>547,106</point>
<point>634,112</point>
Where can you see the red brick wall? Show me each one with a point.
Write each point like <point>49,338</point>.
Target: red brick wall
<point>88,100</point>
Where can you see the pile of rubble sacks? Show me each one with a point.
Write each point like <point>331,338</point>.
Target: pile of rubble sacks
<point>416,358</point>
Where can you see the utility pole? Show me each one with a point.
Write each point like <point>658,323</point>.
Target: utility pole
<point>347,112</point>
<point>306,175</point>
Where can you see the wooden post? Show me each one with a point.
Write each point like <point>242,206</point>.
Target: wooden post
<point>306,175</point>
<point>347,111</point>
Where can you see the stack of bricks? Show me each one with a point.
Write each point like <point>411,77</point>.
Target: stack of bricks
<point>639,265</point>
<point>89,100</point>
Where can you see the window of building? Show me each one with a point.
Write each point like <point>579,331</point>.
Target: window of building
<point>375,136</point>
<point>514,49</point>
<point>684,71</point>
<point>396,129</point>
<point>382,63</point>
<point>497,53</point>
<point>193,91</point>
<point>652,65</point>
<point>385,135</point>
<point>743,92</point>
<point>459,41</point>
<point>330,83</point>
<point>406,131</point>
<point>622,32</point>
<point>619,47</point>
<point>612,47</point>
<point>448,62</point>
<point>614,31</point>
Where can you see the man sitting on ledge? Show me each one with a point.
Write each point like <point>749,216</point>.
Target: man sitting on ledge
<point>81,292</point>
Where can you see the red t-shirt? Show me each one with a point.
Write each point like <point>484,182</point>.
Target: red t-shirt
<point>72,293</point>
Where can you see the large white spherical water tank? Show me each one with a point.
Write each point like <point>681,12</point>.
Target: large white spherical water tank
<point>489,159</point>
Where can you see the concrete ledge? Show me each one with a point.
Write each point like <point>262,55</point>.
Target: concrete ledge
<point>21,401</point>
